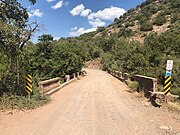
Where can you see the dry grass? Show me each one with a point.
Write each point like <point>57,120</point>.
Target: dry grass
<point>94,64</point>
<point>15,102</point>
<point>173,106</point>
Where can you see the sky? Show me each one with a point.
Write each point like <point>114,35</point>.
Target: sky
<point>70,18</point>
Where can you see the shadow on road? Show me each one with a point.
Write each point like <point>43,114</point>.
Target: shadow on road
<point>153,101</point>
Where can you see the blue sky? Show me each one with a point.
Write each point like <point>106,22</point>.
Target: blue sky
<point>66,18</point>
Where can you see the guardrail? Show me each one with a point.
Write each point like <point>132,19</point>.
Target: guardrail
<point>46,86</point>
<point>124,77</point>
<point>146,84</point>
<point>50,86</point>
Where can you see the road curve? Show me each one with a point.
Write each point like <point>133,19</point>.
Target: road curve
<point>98,104</point>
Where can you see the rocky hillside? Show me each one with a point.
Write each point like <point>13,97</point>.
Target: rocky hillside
<point>150,16</point>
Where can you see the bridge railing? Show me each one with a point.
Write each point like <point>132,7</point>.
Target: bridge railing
<point>50,86</point>
<point>146,84</point>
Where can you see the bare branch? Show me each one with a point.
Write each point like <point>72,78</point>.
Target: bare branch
<point>32,28</point>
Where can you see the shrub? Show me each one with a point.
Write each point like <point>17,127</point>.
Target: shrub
<point>133,85</point>
<point>174,18</point>
<point>147,2</point>
<point>143,19</point>
<point>115,19</point>
<point>175,91</point>
<point>129,24</point>
<point>125,32</point>
<point>160,20</point>
<point>175,3</point>
<point>11,101</point>
<point>100,29</point>
<point>131,10</point>
<point>146,27</point>
<point>119,25</point>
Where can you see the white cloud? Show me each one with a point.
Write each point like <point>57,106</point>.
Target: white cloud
<point>75,28</point>
<point>77,10</point>
<point>56,38</point>
<point>96,19</point>
<point>50,0</point>
<point>57,5</point>
<point>96,23</point>
<point>66,3</point>
<point>35,12</point>
<point>81,31</point>
<point>86,12</point>
<point>107,13</point>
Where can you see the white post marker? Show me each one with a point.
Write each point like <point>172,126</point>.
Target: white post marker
<point>169,66</point>
<point>168,78</point>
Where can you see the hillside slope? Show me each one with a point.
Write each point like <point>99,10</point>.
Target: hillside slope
<point>150,16</point>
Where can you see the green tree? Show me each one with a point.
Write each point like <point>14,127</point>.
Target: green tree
<point>45,37</point>
<point>14,34</point>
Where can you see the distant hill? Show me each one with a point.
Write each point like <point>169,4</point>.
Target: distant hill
<point>150,16</point>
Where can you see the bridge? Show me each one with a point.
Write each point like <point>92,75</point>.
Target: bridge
<point>97,104</point>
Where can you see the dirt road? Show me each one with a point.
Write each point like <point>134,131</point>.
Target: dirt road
<point>98,104</point>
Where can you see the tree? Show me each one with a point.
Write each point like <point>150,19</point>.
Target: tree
<point>45,37</point>
<point>14,34</point>
<point>32,1</point>
<point>12,12</point>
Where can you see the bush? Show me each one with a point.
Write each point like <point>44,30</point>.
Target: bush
<point>115,19</point>
<point>160,20</point>
<point>175,91</point>
<point>100,29</point>
<point>11,101</point>
<point>129,24</point>
<point>119,25</point>
<point>125,32</point>
<point>174,18</point>
<point>146,27</point>
<point>147,2</point>
<point>143,19</point>
<point>131,10</point>
<point>133,85</point>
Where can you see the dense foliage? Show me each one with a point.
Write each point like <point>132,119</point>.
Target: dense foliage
<point>43,60</point>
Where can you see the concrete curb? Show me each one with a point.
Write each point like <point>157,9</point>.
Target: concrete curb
<point>63,85</point>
